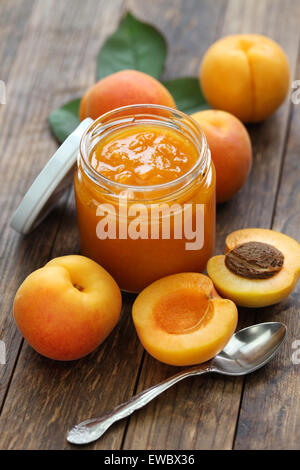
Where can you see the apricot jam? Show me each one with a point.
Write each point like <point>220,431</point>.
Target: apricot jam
<point>145,195</point>
<point>144,155</point>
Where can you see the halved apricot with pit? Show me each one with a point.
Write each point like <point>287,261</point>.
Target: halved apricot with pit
<point>181,320</point>
<point>261,267</point>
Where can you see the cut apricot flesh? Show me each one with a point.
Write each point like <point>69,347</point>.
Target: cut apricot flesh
<point>248,292</point>
<point>181,320</point>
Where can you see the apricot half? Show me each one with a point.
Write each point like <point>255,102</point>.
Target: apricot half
<point>181,320</point>
<point>261,267</point>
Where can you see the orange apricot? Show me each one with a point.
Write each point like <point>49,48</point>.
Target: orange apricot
<point>245,74</point>
<point>231,150</point>
<point>260,268</point>
<point>181,321</point>
<point>67,308</point>
<point>124,88</point>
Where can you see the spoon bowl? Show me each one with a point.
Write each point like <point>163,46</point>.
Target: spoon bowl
<point>248,350</point>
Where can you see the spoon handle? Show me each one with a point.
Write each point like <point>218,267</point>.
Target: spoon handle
<point>92,429</point>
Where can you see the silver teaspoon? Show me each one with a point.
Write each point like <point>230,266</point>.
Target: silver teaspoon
<point>248,350</point>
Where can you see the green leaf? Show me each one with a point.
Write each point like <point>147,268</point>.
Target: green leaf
<point>135,45</point>
<point>187,94</point>
<point>64,120</point>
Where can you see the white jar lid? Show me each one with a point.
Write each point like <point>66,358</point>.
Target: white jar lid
<point>50,184</point>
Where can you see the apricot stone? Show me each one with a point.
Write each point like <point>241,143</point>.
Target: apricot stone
<point>67,308</point>
<point>124,88</point>
<point>273,264</point>
<point>231,150</point>
<point>245,74</point>
<point>181,321</point>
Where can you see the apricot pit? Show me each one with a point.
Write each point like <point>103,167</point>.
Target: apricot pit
<point>254,260</point>
<point>181,320</point>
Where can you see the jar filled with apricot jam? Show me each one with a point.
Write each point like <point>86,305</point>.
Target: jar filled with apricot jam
<point>145,195</point>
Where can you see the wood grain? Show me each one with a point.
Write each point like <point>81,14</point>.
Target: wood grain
<point>270,412</point>
<point>189,27</point>
<point>50,59</point>
<point>13,19</point>
<point>177,424</point>
<point>60,42</point>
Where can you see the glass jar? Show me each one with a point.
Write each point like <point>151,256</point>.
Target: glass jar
<point>142,233</point>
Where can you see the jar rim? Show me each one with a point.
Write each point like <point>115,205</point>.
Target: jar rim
<point>201,163</point>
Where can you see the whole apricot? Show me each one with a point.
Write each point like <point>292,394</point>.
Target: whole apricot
<point>124,88</point>
<point>67,308</point>
<point>247,75</point>
<point>231,150</point>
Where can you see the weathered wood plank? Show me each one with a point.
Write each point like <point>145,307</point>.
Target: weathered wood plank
<point>13,19</point>
<point>270,411</point>
<point>189,27</point>
<point>55,61</point>
<point>172,422</point>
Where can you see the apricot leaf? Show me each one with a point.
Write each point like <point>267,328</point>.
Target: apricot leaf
<point>63,121</point>
<point>187,94</point>
<point>135,45</point>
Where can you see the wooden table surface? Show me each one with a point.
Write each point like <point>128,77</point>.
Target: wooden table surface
<point>47,56</point>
